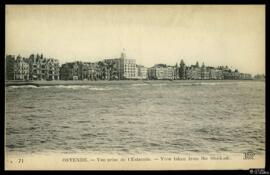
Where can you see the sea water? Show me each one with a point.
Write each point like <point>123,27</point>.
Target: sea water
<point>137,117</point>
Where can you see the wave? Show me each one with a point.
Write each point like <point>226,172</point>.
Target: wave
<point>77,87</point>
<point>74,87</point>
<point>68,86</point>
<point>144,84</point>
<point>190,83</point>
<point>102,88</point>
<point>215,83</point>
<point>23,86</point>
<point>198,84</point>
<point>160,84</point>
<point>206,83</point>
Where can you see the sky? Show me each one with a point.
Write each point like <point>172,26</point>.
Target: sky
<point>232,35</point>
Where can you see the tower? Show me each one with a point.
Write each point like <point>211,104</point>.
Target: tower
<point>123,54</point>
<point>182,70</point>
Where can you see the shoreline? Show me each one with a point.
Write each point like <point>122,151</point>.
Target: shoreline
<point>88,82</point>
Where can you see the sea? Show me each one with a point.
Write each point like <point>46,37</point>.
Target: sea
<point>137,117</point>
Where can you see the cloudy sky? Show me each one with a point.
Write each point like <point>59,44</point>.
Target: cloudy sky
<point>215,35</point>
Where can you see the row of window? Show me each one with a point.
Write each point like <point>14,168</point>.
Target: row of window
<point>129,75</point>
<point>21,72</point>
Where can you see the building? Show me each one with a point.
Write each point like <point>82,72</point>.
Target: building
<point>112,69</point>
<point>36,67</point>
<point>116,67</point>
<point>71,71</point>
<point>9,67</point>
<point>187,73</point>
<point>161,72</point>
<point>151,74</point>
<point>21,69</point>
<point>88,71</point>
<point>235,75</point>
<point>41,68</point>
<point>193,72</point>
<point>219,74</point>
<point>83,71</point>
<point>259,77</point>
<point>52,69</point>
<point>170,73</point>
<point>205,72</point>
<point>125,68</point>
<point>129,68</point>
<point>227,74</point>
<point>182,70</point>
<point>33,68</point>
<point>141,72</point>
<point>176,72</point>
<point>244,76</point>
<point>215,74</point>
<point>84,74</point>
<point>65,71</point>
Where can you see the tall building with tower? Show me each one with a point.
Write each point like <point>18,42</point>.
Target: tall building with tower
<point>126,68</point>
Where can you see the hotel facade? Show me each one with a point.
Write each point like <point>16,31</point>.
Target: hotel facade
<point>161,72</point>
<point>33,68</point>
<point>41,68</point>
<point>126,68</point>
<point>21,69</point>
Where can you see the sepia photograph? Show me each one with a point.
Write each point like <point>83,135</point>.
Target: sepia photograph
<point>134,87</point>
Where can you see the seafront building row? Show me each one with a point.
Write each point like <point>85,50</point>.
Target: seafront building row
<point>37,67</point>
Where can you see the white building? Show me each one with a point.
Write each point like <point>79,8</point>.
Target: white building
<point>126,68</point>
<point>141,72</point>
